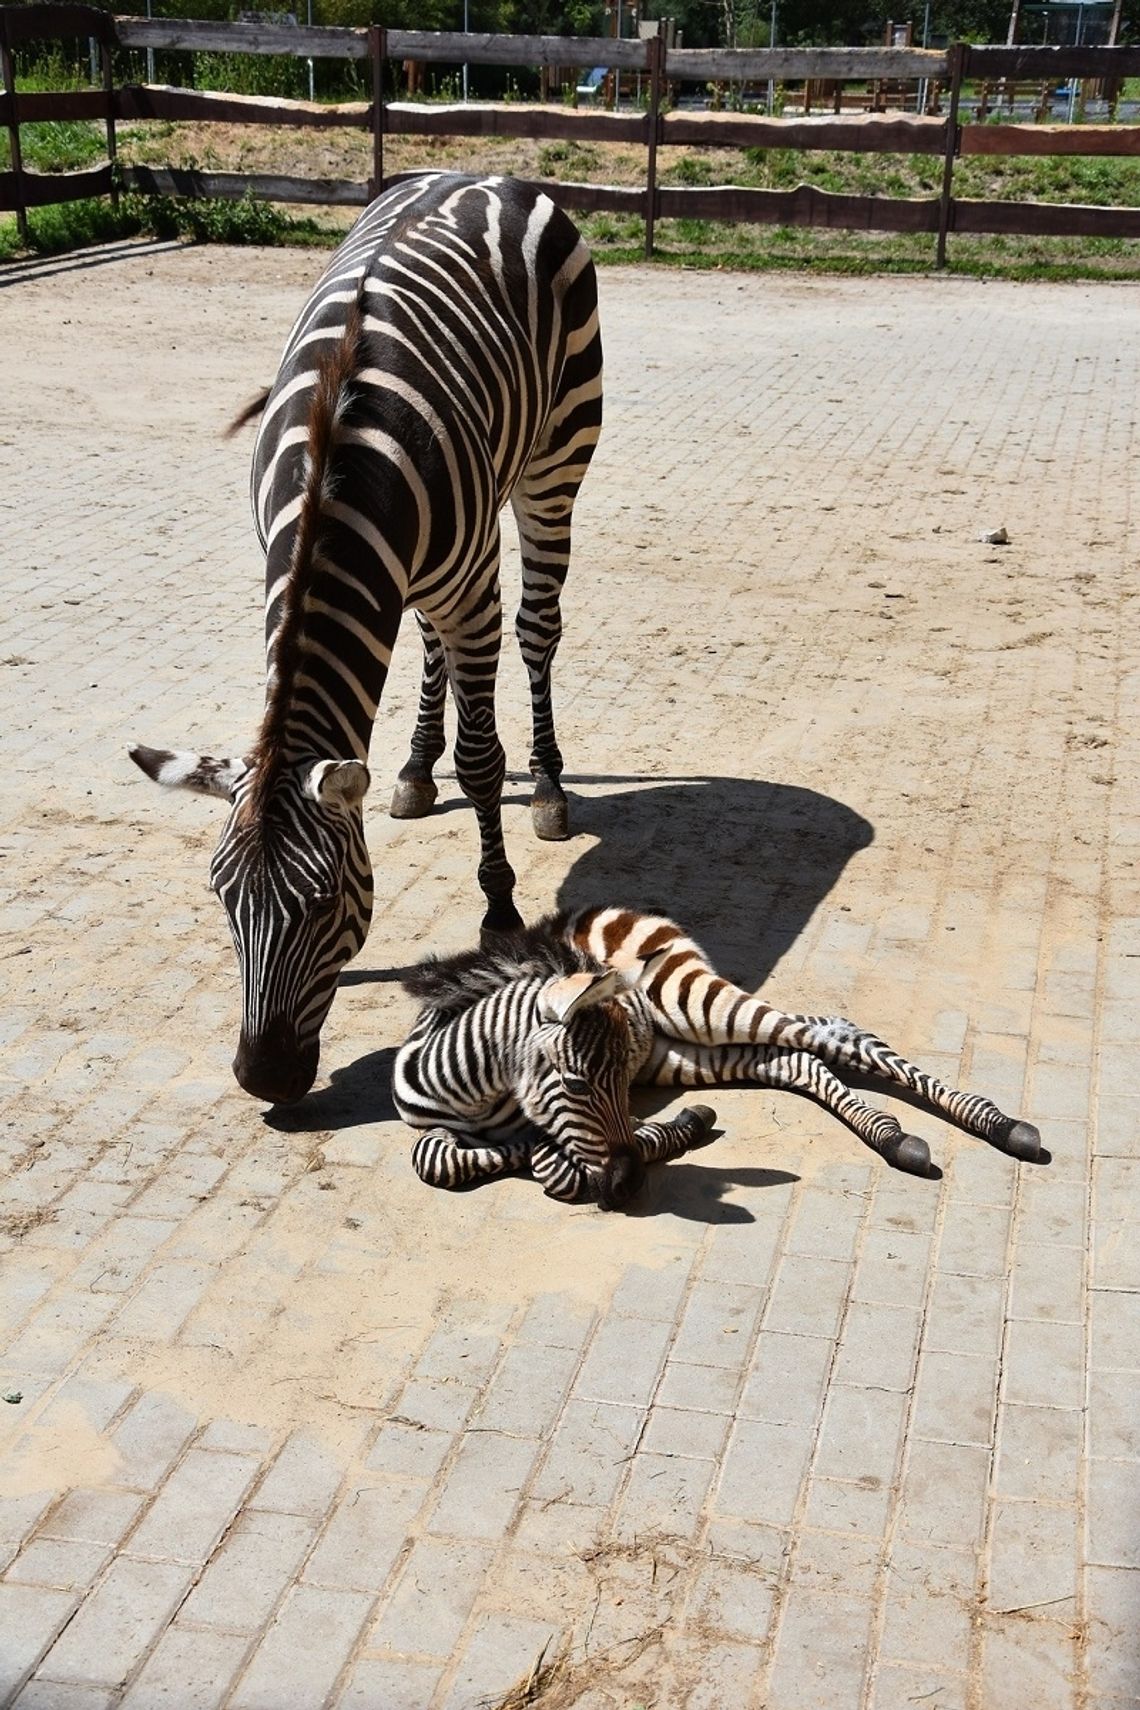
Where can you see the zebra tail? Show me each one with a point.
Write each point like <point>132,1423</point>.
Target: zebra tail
<point>249,414</point>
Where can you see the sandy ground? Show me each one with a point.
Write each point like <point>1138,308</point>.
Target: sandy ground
<point>802,1432</point>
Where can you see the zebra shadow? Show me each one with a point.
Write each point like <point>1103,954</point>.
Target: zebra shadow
<point>740,863</point>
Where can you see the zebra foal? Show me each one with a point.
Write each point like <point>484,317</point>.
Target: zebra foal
<point>449,360</point>
<point>523,1057</point>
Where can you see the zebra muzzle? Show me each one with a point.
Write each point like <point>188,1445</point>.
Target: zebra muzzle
<point>273,1066</point>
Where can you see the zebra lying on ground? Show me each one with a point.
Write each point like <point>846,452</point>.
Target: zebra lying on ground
<point>448,360</point>
<point>523,1057</point>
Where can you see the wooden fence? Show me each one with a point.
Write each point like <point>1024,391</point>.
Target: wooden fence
<point>663,69</point>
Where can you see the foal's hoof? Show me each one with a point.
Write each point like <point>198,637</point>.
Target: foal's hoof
<point>700,1119</point>
<point>413,798</point>
<point>909,1153</point>
<point>550,817</point>
<point>1023,1141</point>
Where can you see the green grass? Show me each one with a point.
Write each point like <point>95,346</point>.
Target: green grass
<point>75,225</point>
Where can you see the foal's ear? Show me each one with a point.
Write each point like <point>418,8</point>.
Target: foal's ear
<point>561,999</point>
<point>179,771</point>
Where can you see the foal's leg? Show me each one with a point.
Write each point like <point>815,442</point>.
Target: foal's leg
<point>415,790</point>
<point>691,1003</point>
<point>441,1159</point>
<point>654,1142</point>
<point>672,1063</point>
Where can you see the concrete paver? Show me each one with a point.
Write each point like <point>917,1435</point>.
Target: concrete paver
<point>803,1433</point>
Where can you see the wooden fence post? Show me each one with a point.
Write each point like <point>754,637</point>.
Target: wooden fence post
<point>655,48</point>
<point>9,79</point>
<point>112,140</point>
<point>958,56</point>
<point>377,53</point>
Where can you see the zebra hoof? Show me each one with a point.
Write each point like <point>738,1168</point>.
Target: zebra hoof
<point>909,1153</point>
<point>413,798</point>
<point>1023,1141</point>
<point>700,1117</point>
<point>550,817</point>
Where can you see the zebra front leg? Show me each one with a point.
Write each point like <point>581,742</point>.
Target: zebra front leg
<point>415,790</point>
<point>480,762</point>
<point>564,1179</point>
<point>442,1160</point>
<point>672,1063</point>
<point>543,504</point>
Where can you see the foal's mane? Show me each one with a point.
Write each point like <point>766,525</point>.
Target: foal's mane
<point>448,985</point>
<point>329,401</point>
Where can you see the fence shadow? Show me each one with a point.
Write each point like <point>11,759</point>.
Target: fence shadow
<point>740,863</point>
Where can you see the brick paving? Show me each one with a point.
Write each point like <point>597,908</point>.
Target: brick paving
<point>803,1434</point>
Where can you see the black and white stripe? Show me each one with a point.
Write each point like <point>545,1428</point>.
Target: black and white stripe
<point>549,1036</point>
<point>448,361</point>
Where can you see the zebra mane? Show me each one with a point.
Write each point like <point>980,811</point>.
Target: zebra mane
<point>328,404</point>
<point>450,984</point>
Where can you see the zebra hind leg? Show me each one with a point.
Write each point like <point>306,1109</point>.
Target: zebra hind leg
<point>415,790</point>
<point>442,1160</point>
<point>849,1047</point>
<point>678,1064</point>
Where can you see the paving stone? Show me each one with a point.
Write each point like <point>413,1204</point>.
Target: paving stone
<point>1043,1364</point>
<point>433,1596</point>
<point>501,1651</point>
<point>304,1650</point>
<point>877,1346</point>
<point>1039,1454</point>
<point>735,1601</point>
<point>94,1516</point>
<point>249,1572</point>
<point>60,1562</point>
<point>954,1400</point>
<point>930,1606</point>
<point>900,1686</point>
<point>787,1378</point>
<point>964,1315</point>
<point>665,1494</point>
<point>526,1394</point>
<point>589,1453</point>
<point>302,1480</point>
<point>716,1326</point>
<point>1114,1416</point>
<point>30,1617</point>
<point>687,1386</point>
<point>375,1684</point>
<point>484,1486</point>
<point>117,1625</point>
<point>808,1296</point>
<point>1114,1620</point>
<point>195,1505</point>
<point>1113,1539</point>
<point>1034,1557</point>
<point>624,1362</point>
<point>860,1437</point>
<point>843,1562</point>
<point>763,1470</point>
<point>365,1535</point>
<point>193,1670</point>
<point>1029,1663</point>
<point>944,1493</point>
<point>54,1695</point>
<point>150,1439</point>
<point>820,1653</point>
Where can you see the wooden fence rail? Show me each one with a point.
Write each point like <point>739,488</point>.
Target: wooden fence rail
<point>944,135</point>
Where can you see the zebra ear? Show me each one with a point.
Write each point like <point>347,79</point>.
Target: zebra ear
<point>338,783</point>
<point>563,998</point>
<point>178,771</point>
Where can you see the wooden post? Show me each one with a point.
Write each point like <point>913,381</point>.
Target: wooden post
<point>8,76</point>
<point>112,141</point>
<point>958,54</point>
<point>377,53</point>
<point>655,48</point>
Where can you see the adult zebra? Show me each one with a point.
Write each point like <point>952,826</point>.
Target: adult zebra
<point>522,1057</point>
<point>448,360</point>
